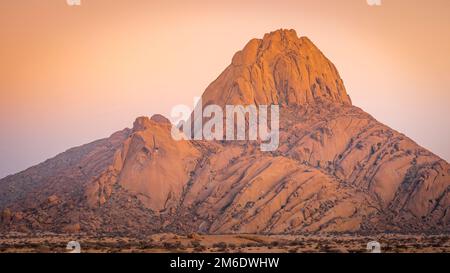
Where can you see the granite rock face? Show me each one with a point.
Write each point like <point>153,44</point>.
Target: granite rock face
<point>278,69</point>
<point>337,169</point>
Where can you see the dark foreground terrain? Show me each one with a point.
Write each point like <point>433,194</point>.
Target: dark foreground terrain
<point>167,242</point>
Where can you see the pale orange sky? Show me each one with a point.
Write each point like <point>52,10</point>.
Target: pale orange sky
<point>71,75</point>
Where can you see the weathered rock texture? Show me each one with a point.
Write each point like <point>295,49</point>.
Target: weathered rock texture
<point>337,169</point>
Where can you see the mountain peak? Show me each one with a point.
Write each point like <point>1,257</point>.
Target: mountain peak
<point>280,68</point>
<point>279,40</point>
<point>281,35</point>
<point>160,119</point>
<point>142,123</point>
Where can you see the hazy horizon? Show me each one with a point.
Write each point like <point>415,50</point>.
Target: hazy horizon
<point>75,74</point>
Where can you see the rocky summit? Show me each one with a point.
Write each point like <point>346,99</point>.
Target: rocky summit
<point>337,169</point>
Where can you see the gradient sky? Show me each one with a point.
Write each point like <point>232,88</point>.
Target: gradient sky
<point>73,74</point>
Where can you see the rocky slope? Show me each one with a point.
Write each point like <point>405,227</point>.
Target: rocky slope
<point>337,169</point>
